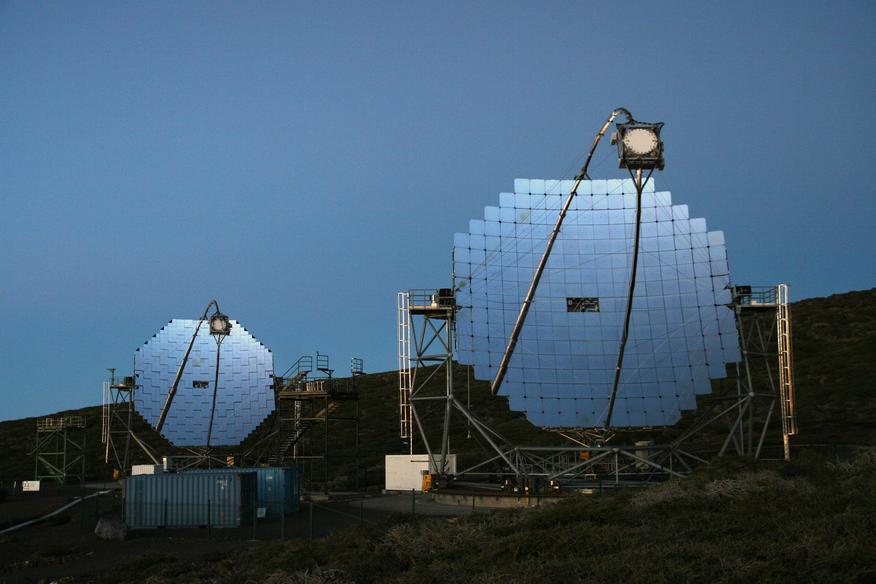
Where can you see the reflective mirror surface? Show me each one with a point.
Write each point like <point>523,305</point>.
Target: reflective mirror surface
<point>682,333</point>
<point>244,399</point>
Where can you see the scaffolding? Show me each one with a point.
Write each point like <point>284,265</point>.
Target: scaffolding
<point>59,454</point>
<point>309,409</point>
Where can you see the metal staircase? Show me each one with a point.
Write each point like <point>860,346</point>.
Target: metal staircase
<point>301,428</point>
<point>297,373</point>
<point>309,414</point>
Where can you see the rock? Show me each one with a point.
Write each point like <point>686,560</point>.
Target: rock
<point>221,568</point>
<point>109,528</point>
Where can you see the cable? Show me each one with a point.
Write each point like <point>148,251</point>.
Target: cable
<point>219,339</point>
<point>527,301</point>
<point>631,291</point>
<point>162,416</point>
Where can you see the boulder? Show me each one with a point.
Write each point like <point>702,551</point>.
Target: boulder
<point>109,528</point>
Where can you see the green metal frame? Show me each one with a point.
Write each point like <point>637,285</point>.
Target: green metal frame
<point>59,454</point>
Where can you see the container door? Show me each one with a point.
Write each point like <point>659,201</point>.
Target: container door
<point>270,499</point>
<point>224,512</point>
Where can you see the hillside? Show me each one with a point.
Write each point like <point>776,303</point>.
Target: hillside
<point>835,348</point>
<point>835,351</point>
<point>809,520</point>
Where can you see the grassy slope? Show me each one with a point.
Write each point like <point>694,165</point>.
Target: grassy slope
<point>808,520</point>
<point>835,349</point>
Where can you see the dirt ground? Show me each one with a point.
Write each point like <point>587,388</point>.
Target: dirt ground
<point>65,545</point>
<point>23,506</point>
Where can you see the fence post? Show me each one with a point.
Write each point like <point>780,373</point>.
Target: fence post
<point>255,518</point>
<point>210,518</point>
<point>361,513</point>
<point>413,501</point>
<point>165,513</point>
<point>282,520</point>
<point>310,520</point>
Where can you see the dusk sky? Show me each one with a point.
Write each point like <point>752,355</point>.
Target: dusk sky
<point>302,162</point>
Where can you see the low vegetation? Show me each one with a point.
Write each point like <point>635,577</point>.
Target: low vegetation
<point>733,522</point>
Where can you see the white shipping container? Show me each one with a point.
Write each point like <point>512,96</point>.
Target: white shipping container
<point>404,472</point>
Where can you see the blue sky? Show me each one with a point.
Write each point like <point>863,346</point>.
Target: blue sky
<point>302,162</point>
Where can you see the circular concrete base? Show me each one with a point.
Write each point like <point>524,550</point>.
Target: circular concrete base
<point>493,500</point>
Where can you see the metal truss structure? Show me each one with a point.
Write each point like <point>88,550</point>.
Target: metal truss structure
<point>59,454</point>
<point>309,407</point>
<point>425,324</point>
<point>117,416</point>
<point>736,420</point>
<point>764,379</point>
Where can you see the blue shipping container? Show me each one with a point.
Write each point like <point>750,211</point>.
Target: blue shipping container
<point>277,487</point>
<point>221,499</point>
